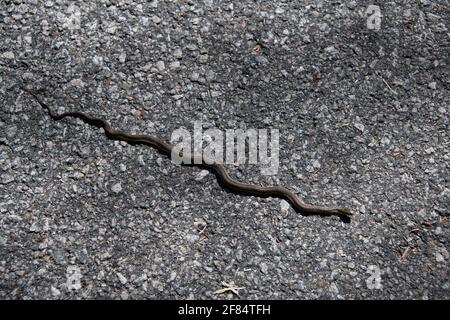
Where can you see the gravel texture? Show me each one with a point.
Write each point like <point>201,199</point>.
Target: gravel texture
<point>363,116</point>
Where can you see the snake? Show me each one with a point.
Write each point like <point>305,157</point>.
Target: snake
<point>228,182</point>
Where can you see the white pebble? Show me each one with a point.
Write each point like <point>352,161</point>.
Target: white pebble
<point>284,205</point>
<point>160,65</point>
<point>359,126</point>
<point>55,292</point>
<point>201,175</point>
<point>8,55</point>
<point>122,279</point>
<point>178,53</point>
<point>117,188</point>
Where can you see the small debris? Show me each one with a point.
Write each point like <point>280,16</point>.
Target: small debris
<point>229,287</point>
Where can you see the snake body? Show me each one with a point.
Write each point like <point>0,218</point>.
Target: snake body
<point>229,182</point>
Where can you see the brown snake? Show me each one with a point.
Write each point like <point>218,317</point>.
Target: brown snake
<point>229,182</point>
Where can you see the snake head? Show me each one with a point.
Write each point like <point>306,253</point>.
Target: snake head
<point>345,211</point>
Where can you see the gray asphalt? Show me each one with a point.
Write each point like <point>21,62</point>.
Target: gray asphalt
<point>363,114</point>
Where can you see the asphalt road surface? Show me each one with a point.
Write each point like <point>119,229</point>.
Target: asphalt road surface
<point>358,90</point>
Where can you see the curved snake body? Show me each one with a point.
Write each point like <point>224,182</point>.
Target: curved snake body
<point>229,182</point>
